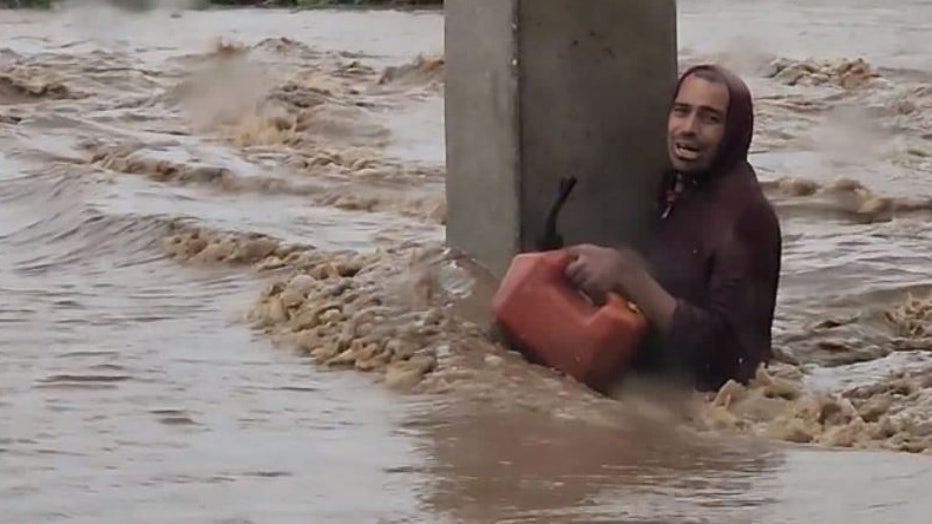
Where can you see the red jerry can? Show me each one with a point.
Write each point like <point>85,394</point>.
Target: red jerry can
<point>552,322</point>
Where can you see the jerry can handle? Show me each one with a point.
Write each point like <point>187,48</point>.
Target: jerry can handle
<point>563,258</point>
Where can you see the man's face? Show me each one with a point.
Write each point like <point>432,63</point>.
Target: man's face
<point>696,124</point>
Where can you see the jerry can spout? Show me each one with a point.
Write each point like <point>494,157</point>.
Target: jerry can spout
<point>551,239</point>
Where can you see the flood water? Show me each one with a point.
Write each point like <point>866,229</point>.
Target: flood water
<point>131,389</point>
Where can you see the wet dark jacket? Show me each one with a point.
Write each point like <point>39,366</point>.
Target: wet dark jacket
<point>717,251</point>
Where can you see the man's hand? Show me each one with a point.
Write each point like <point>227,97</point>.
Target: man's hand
<point>598,270</point>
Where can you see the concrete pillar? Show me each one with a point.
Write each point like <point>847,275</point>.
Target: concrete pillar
<point>541,89</point>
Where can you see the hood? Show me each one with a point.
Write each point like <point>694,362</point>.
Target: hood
<point>739,122</point>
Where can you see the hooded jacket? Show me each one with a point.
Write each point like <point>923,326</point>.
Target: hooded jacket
<point>716,247</point>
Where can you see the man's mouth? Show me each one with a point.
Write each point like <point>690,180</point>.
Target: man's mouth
<point>686,150</point>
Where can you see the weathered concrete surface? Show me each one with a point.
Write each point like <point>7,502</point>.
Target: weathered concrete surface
<point>539,89</point>
<point>481,118</point>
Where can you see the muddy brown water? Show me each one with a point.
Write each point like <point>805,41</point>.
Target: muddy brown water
<point>131,391</point>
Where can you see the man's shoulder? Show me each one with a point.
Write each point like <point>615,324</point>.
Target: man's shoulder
<point>752,214</point>
<point>757,217</point>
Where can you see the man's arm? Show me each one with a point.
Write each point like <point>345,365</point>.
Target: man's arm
<point>654,301</point>
<point>730,327</point>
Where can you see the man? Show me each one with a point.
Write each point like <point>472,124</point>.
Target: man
<point>707,281</point>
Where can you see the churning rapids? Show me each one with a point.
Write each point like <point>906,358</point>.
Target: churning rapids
<point>226,299</point>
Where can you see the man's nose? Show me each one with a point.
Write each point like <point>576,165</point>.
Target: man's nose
<point>691,123</point>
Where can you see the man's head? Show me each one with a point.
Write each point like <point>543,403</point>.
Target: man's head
<point>711,121</point>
